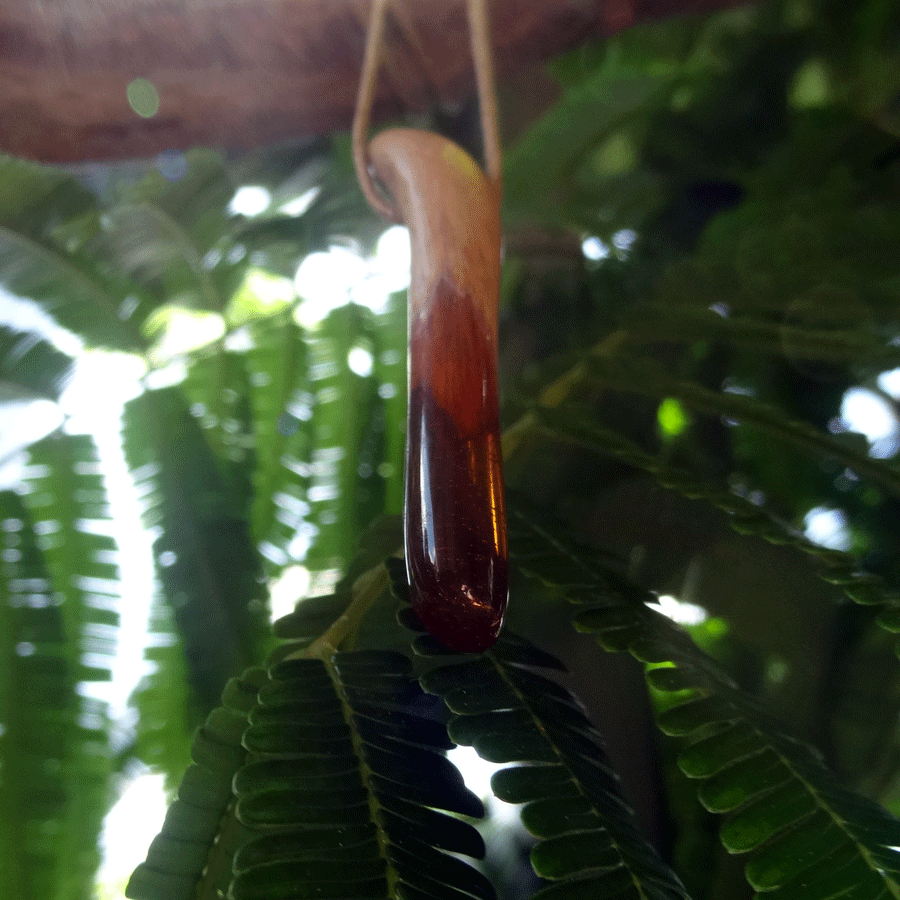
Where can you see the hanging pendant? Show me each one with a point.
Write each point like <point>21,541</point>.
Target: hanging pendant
<point>454,522</point>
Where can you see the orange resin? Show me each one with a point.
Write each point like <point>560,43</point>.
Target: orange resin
<point>455,526</point>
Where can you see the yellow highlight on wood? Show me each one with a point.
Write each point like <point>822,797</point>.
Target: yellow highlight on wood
<point>462,162</point>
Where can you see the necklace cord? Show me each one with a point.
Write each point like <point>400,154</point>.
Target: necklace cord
<point>482,58</point>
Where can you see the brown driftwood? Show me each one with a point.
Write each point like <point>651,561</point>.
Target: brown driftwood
<point>242,73</point>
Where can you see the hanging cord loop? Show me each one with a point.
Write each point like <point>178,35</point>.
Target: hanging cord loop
<point>482,57</point>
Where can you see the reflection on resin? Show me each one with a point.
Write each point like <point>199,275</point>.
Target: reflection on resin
<point>455,527</point>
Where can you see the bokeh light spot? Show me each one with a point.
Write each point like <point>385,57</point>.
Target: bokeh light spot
<point>143,97</point>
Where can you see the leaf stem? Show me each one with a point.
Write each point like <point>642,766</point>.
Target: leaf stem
<point>366,590</point>
<point>558,391</point>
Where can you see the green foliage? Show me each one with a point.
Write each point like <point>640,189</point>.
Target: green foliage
<point>817,839</point>
<point>201,833</point>
<point>588,844</point>
<point>208,566</point>
<point>162,234</point>
<point>342,500</point>
<point>30,367</point>
<point>595,126</point>
<point>338,790</point>
<point>69,512</point>
<point>46,220</point>
<point>340,773</point>
<point>55,780</point>
<point>278,370</point>
<point>673,411</point>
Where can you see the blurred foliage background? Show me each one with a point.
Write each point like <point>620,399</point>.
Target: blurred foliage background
<point>701,284</point>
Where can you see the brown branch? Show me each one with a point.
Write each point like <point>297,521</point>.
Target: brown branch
<point>242,73</point>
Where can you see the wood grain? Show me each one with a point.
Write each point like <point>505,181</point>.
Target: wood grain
<point>236,74</point>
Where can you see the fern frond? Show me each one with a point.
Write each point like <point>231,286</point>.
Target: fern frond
<point>191,856</point>
<point>68,508</point>
<point>55,760</point>
<point>197,201</point>
<point>647,377</point>
<point>311,619</point>
<point>33,196</point>
<point>156,252</point>
<point>809,832</point>
<point>318,440</point>
<point>217,388</point>
<point>333,764</point>
<point>339,210</point>
<point>344,490</point>
<point>169,711</point>
<point>390,373</point>
<point>337,213</point>
<point>334,768</point>
<point>173,238</point>
<point>588,844</point>
<point>814,839</point>
<point>206,562</point>
<point>576,424</point>
<point>664,322</point>
<point>541,166</point>
<point>341,769</point>
<point>282,403</point>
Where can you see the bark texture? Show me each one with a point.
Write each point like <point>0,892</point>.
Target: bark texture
<point>241,73</point>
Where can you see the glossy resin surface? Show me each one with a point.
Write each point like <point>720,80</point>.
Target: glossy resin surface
<point>455,527</point>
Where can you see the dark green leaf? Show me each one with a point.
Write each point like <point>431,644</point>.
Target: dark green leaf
<point>571,799</point>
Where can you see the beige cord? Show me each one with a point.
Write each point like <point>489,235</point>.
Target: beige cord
<point>482,59</point>
<point>363,113</point>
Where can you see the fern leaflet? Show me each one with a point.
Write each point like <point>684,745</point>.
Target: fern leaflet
<point>808,832</point>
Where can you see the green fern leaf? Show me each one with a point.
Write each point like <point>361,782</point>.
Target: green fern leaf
<point>587,843</point>
<point>575,423</point>
<point>191,856</point>
<point>207,564</point>
<point>390,373</point>
<point>68,508</point>
<point>159,255</point>
<point>542,167</point>
<point>174,240</point>
<point>665,322</point>
<point>217,388</point>
<point>781,801</point>
<point>281,400</point>
<point>318,444</point>
<point>312,618</point>
<point>344,492</point>
<point>168,710</point>
<point>331,765</point>
<point>648,377</point>
<point>328,621</point>
<point>55,759</point>
<point>339,769</point>
<point>279,242</point>
<point>175,237</point>
<point>33,196</point>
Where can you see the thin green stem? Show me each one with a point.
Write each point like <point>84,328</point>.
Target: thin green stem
<point>366,590</point>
